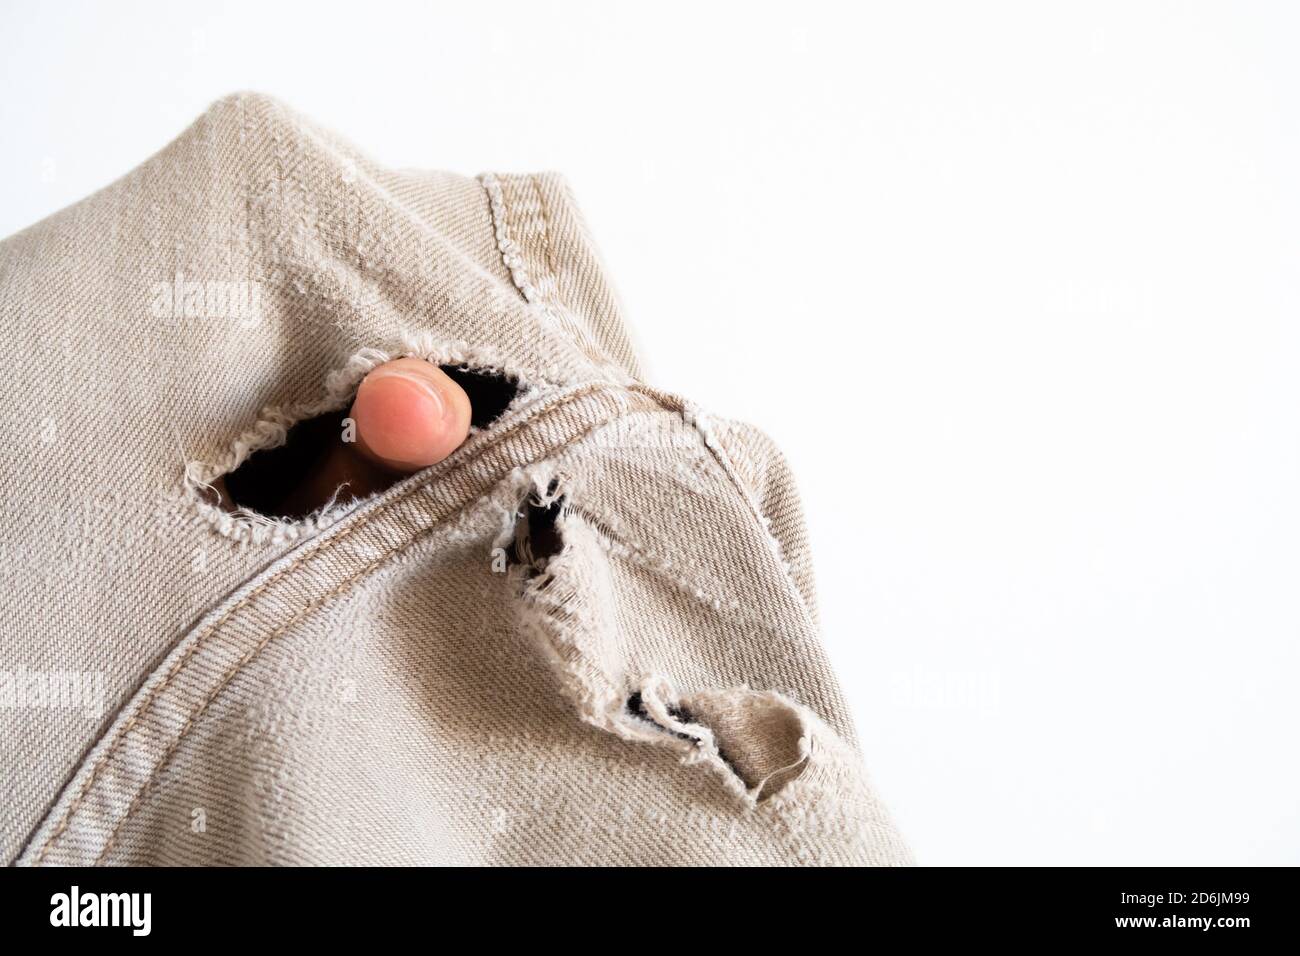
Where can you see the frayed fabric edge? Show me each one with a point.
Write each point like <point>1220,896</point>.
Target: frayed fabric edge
<point>669,710</point>
<point>555,615</point>
<point>272,430</point>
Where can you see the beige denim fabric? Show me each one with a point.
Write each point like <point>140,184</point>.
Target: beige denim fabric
<point>408,679</point>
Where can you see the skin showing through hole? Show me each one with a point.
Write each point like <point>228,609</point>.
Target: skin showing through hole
<point>406,415</point>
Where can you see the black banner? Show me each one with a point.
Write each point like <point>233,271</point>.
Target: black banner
<point>1220,907</point>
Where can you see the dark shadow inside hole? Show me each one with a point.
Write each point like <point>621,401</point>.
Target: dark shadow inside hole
<point>544,539</point>
<point>490,393</point>
<point>536,537</point>
<point>636,705</point>
<point>268,479</point>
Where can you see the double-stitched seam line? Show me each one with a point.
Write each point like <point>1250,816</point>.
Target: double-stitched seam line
<point>521,251</point>
<point>234,672</point>
<point>675,404</point>
<point>700,589</point>
<point>555,300</point>
<point>510,250</point>
<point>302,613</point>
<point>720,455</point>
<point>310,550</point>
<point>548,248</point>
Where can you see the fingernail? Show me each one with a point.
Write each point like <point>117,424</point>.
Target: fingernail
<point>420,382</point>
<point>405,419</point>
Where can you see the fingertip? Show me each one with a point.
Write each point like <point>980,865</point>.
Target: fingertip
<point>409,415</point>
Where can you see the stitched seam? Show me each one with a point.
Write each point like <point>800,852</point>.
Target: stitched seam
<point>200,641</point>
<point>675,404</point>
<point>555,303</point>
<point>511,252</point>
<point>548,251</point>
<point>702,590</point>
<point>722,457</point>
<point>516,253</point>
<point>303,612</point>
<point>248,658</point>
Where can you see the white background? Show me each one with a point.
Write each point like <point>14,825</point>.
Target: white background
<point>1022,279</point>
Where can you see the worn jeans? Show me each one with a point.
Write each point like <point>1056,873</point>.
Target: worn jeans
<point>588,637</point>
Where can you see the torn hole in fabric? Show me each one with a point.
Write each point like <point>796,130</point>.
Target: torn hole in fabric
<point>268,480</point>
<point>535,538</point>
<point>758,742</point>
<point>248,494</point>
